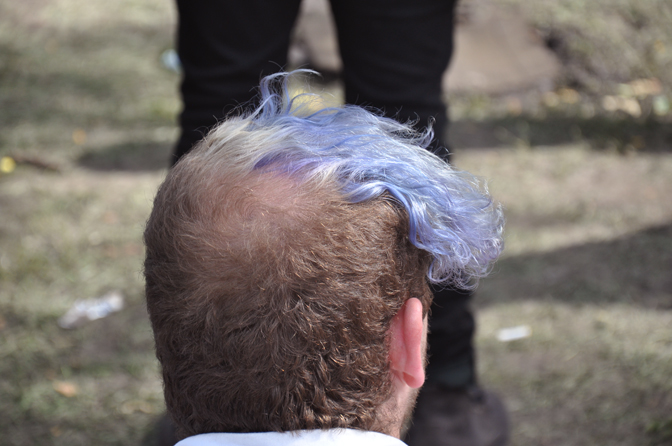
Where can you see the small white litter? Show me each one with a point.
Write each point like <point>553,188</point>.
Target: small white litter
<point>171,61</point>
<point>84,310</point>
<point>514,333</point>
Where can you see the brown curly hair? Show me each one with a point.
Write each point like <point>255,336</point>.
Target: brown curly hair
<point>271,297</point>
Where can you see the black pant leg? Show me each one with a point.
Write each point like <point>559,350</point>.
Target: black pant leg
<point>394,56</point>
<point>450,339</point>
<point>225,48</point>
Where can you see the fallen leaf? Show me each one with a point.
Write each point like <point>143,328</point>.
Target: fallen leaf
<point>66,388</point>
<point>7,164</point>
<point>569,96</point>
<point>79,137</point>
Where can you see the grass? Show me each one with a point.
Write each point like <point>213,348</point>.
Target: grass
<point>88,111</point>
<point>75,235</point>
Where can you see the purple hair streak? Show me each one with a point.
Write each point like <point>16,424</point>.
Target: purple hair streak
<point>451,214</point>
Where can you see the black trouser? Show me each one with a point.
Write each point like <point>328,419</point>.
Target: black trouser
<point>394,55</point>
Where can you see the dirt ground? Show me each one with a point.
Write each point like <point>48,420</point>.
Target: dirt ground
<point>87,114</point>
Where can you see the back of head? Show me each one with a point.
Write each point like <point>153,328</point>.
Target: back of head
<point>278,252</point>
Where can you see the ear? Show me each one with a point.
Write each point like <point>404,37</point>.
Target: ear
<point>407,344</point>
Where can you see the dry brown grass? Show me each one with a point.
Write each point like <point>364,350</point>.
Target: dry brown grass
<point>588,261</point>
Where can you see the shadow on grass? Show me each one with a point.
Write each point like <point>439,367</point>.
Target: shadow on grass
<point>132,157</point>
<point>635,269</point>
<point>620,133</point>
<point>650,135</point>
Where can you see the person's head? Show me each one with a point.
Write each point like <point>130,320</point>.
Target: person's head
<point>287,264</point>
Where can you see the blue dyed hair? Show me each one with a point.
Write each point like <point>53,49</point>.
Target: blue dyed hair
<point>451,215</point>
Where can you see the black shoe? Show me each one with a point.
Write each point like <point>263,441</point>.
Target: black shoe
<point>464,417</point>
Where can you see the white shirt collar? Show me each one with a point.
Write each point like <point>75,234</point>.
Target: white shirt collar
<point>331,437</point>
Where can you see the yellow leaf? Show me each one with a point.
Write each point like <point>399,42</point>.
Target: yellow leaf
<point>7,164</point>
